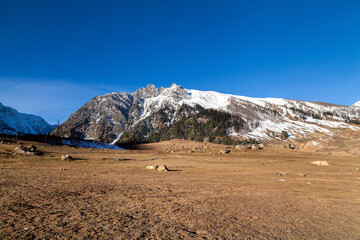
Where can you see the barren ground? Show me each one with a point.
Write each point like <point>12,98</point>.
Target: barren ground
<point>109,194</point>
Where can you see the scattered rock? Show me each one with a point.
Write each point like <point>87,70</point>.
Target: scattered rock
<point>320,163</point>
<point>152,167</point>
<point>281,174</point>
<point>241,147</point>
<point>356,169</point>
<point>62,169</point>
<point>254,147</point>
<point>301,175</point>
<point>20,150</point>
<point>4,141</point>
<point>31,148</point>
<point>30,153</point>
<point>66,157</point>
<point>169,150</point>
<point>308,183</point>
<point>224,151</point>
<point>162,167</point>
<point>282,180</point>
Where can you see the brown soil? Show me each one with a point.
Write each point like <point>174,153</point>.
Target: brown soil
<point>108,194</point>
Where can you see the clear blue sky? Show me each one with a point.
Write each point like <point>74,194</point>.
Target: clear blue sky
<point>56,55</point>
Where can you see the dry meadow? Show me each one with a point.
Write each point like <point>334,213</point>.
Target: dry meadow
<point>274,193</point>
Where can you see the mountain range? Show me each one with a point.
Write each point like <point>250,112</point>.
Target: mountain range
<point>12,122</point>
<point>153,114</point>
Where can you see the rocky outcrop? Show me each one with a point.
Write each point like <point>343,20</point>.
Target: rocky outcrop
<point>30,150</point>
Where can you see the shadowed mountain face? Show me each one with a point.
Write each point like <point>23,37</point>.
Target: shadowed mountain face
<point>160,114</point>
<point>12,122</point>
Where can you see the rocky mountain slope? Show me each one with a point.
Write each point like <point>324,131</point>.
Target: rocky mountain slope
<point>12,122</point>
<point>153,114</point>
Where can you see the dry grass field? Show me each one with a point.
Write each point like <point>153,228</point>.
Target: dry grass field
<point>272,193</point>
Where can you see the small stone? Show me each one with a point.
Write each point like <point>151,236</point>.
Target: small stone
<point>320,163</point>
<point>224,151</point>
<point>282,180</point>
<point>30,153</point>
<point>31,148</point>
<point>308,183</point>
<point>66,157</point>
<point>152,167</point>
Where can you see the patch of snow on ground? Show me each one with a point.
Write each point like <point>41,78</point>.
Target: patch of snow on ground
<point>88,144</point>
<point>315,143</point>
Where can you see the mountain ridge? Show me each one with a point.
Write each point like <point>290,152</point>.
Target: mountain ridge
<point>13,122</point>
<point>357,104</point>
<point>107,117</point>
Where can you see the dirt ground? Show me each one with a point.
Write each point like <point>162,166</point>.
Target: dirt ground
<point>109,194</point>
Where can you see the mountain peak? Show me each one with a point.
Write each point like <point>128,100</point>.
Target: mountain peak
<point>175,91</point>
<point>174,85</point>
<point>357,104</point>
<point>148,92</point>
<point>13,122</point>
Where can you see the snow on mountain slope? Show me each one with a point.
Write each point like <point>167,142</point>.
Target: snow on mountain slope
<point>357,104</point>
<point>13,122</point>
<point>289,110</point>
<point>115,113</point>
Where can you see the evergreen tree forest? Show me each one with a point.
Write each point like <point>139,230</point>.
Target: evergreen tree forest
<point>207,125</point>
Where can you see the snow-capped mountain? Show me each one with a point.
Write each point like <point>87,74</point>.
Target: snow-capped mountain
<point>150,110</point>
<point>12,122</point>
<point>357,104</point>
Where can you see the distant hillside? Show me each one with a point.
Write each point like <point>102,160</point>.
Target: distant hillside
<point>152,114</point>
<point>12,122</point>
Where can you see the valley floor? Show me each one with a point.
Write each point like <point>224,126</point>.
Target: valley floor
<point>109,194</point>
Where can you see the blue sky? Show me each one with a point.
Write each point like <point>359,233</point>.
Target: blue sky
<point>56,55</point>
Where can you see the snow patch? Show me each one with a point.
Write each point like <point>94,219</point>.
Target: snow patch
<point>117,138</point>
<point>315,143</point>
<point>88,144</point>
